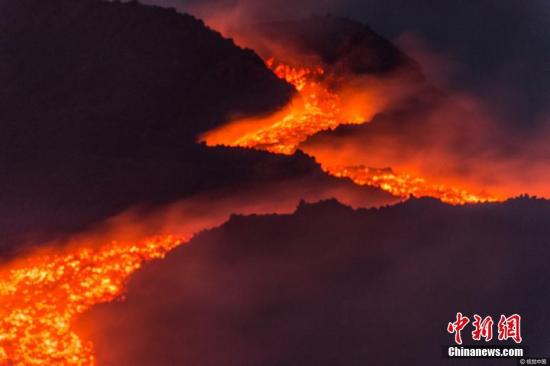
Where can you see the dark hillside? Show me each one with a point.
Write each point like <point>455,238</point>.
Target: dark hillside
<point>332,286</point>
<point>100,104</point>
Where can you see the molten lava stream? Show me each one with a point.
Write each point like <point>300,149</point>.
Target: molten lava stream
<point>314,109</point>
<point>403,185</point>
<point>42,294</point>
<point>317,108</point>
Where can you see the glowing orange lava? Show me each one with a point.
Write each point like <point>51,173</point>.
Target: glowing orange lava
<point>299,77</point>
<point>317,108</point>
<point>41,295</point>
<point>404,185</point>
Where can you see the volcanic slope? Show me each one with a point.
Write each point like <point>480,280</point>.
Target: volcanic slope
<point>331,285</point>
<point>101,103</point>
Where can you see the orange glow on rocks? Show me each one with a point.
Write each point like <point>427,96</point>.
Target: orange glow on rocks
<point>404,185</point>
<point>316,108</point>
<point>42,295</point>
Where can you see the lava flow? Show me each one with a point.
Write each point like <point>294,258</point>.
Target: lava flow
<point>42,294</point>
<point>318,108</point>
<point>404,185</point>
<point>314,109</point>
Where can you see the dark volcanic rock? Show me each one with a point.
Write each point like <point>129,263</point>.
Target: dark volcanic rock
<point>100,104</point>
<point>102,76</point>
<point>332,286</point>
<point>344,46</point>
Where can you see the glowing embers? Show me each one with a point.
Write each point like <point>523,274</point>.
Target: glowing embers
<point>314,108</point>
<point>42,294</point>
<point>404,185</point>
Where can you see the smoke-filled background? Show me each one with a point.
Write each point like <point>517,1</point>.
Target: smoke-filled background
<point>103,104</point>
<point>496,50</point>
<point>329,285</point>
<point>489,58</point>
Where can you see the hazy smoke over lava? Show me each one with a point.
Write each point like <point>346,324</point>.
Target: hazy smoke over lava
<point>188,217</point>
<point>448,137</point>
<point>323,284</point>
<point>46,290</point>
<point>362,108</point>
<point>445,138</point>
<point>455,142</point>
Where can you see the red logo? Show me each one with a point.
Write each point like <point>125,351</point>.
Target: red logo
<point>457,326</point>
<point>482,328</point>
<point>508,328</point>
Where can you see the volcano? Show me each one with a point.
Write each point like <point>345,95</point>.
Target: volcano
<point>109,119</point>
<point>136,134</point>
<point>332,285</point>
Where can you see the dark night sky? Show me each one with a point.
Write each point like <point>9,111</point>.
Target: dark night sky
<point>501,48</point>
<point>498,50</point>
